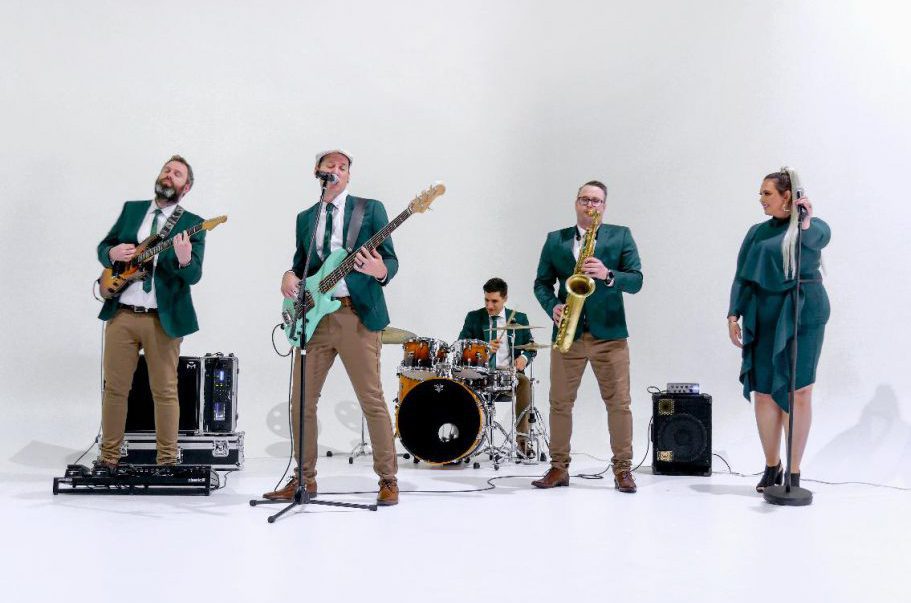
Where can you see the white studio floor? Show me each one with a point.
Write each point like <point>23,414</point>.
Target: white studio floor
<point>677,539</point>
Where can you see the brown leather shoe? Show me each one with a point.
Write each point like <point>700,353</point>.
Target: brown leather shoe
<point>623,479</point>
<point>287,492</point>
<point>552,479</point>
<point>389,493</point>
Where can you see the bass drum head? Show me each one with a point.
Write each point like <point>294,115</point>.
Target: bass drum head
<point>440,421</point>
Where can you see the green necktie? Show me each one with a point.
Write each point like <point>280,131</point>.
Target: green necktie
<point>493,335</point>
<point>327,236</point>
<point>147,284</point>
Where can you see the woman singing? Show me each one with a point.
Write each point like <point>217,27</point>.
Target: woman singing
<point>763,296</point>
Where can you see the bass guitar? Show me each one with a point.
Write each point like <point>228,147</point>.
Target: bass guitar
<point>317,289</point>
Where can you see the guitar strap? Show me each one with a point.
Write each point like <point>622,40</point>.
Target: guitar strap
<point>354,227</point>
<point>166,229</point>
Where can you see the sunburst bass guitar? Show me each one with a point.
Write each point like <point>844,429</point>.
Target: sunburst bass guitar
<point>317,299</point>
<point>114,280</point>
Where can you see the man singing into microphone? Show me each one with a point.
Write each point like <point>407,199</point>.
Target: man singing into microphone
<point>353,331</point>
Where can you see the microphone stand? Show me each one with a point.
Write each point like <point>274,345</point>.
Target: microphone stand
<point>301,496</point>
<point>787,495</point>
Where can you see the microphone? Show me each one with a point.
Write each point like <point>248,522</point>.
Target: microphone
<point>801,210</point>
<point>327,177</point>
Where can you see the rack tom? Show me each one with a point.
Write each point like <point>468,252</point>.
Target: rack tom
<point>471,359</point>
<point>423,358</point>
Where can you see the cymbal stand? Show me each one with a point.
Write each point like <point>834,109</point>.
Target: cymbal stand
<point>537,428</point>
<point>507,450</point>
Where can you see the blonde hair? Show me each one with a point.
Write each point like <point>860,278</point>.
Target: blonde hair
<point>787,180</point>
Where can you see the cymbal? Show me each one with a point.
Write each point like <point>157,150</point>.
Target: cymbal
<point>515,327</point>
<point>395,336</point>
<point>532,346</point>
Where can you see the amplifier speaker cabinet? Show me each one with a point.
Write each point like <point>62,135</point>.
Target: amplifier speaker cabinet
<point>224,452</point>
<point>206,392</point>
<point>681,434</point>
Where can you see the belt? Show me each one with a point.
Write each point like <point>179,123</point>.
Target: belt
<point>138,309</point>
<point>346,301</point>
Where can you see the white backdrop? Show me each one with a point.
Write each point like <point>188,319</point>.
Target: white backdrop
<point>680,107</point>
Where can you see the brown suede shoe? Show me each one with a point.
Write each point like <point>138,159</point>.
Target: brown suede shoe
<point>389,493</point>
<point>287,493</point>
<point>623,479</point>
<point>552,479</point>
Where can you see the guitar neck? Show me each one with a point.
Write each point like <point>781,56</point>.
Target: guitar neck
<point>151,252</point>
<point>347,265</point>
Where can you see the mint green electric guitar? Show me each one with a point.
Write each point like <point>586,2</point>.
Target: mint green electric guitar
<point>318,301</point>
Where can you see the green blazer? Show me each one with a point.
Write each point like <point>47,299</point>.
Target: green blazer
<point>602,315</point>
<point>172,283</point>
<point>477,326</point>
<point>366,292</point>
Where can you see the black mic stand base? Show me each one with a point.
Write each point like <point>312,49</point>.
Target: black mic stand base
<point>301,498</point>
<point>789,496</point>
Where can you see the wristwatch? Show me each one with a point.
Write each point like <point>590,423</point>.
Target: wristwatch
<point>609,281</point>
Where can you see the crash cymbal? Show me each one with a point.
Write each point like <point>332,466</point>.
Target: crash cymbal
<point>516,327</point>
<point>532,346</point>
<point>394,336</point>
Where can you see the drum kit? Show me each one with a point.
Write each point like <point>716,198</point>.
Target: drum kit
<point>445,410</point>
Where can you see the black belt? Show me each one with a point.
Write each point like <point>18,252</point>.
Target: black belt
<point>138,309</point>
<point>810,280</point>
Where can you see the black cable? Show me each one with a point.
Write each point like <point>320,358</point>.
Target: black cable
<point>290,429</point>
<point>101,378</point>
<point>275,347</point>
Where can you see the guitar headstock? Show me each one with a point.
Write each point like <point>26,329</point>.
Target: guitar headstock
<point>422,202</point>
<point>210,224</point>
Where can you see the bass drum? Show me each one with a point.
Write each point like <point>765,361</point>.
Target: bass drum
<point>440,421</point>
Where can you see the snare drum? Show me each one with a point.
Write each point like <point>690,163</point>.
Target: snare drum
<point>470,359</point>
<point>423,358</point>
<point>440,421</point>
<point>503,380</point>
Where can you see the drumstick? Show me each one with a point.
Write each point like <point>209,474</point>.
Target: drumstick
<point>512,317</point>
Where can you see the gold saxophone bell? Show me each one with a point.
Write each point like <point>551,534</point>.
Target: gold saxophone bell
<point>578,287</point>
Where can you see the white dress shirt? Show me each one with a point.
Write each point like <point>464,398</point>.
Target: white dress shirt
<point>135,295</point>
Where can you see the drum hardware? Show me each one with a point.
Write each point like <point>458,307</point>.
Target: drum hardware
<point>537,427</point>
<point>445,412</point>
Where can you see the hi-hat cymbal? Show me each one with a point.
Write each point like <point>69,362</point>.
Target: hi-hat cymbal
<point>515,327</point>
<point>532,346</point>
<point>394,336</point>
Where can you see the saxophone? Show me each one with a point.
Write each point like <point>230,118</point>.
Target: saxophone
<point>578,286</point>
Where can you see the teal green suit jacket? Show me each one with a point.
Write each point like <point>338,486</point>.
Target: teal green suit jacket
<point>477,326</point>
<point>366,292</point>
<point>603,313</point>
<point>172,283</point>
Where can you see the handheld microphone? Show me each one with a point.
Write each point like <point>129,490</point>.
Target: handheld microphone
<point>801,210</point>
<point>327,177</point>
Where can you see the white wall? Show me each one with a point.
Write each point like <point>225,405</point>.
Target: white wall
<point>680,107</point>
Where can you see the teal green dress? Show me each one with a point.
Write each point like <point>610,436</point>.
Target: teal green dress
<point>764,299</point>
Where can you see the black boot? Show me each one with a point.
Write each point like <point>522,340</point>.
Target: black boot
<point>795,480</point>
<point>772,476</point>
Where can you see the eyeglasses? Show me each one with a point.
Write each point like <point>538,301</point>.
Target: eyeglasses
<point>589,201</point>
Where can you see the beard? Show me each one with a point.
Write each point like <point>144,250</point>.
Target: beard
<point>166,193</point>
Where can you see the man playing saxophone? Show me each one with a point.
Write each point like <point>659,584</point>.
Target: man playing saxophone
<point>597,263</point>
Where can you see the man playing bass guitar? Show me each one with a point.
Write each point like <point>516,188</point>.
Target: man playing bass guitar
<point>352,331</point>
